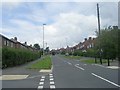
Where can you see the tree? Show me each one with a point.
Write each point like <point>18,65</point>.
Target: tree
<point>47,49</point>
<point>37,46</point>
<point>109,43</point>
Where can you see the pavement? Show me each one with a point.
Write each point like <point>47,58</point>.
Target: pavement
<point>66,74</point>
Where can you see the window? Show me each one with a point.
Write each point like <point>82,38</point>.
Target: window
<point>5,42</point>
<point>11,44</point>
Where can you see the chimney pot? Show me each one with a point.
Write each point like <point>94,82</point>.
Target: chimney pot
<point>85,39</point>
<point>15,38</point>
<point>90,38</point>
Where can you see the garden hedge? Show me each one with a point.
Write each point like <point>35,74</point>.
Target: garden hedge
<point>13,57</point>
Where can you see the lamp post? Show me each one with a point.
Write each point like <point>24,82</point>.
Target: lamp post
<point>43,38</point>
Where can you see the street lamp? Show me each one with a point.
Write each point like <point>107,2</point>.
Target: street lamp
<point>43,38</point>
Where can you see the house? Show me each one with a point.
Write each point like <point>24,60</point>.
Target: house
<point>7,42</point>
<point>13,43</point>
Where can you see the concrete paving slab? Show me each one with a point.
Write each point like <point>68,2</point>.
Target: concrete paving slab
<point>13,77</point>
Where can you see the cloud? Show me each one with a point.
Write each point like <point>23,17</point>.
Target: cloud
<point>66,23</point>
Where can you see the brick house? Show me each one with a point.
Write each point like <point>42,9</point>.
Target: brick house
<point>7,42</point>
<point>13,43</point>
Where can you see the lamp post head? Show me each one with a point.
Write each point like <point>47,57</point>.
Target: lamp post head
<point>44,24</point>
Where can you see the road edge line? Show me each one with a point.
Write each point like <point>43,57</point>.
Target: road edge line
<point>106,80</point>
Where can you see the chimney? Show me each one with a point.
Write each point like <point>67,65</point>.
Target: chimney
<point>90,38</point>
<point>93,38</point>
<point>15,38</point>
<point>85,39</point>
<point>25,43</point>
<point>30,45</point>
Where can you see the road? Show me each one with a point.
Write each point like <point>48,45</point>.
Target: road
<point>70,74</point>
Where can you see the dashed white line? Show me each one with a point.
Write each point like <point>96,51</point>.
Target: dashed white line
<point>79,67</point>
<point>99,65</point>
<point>106,80</point>
<point>51,76</point>
<point>69,63</point>
<point>52,82</point>
<point>41,83</point>
<point>40,87</point>
<point>42,79</point>
<point>51,79</point>
<point>85,64</point>
<point>52,86</point>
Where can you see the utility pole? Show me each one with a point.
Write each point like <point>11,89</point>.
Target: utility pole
<point>99,32</point>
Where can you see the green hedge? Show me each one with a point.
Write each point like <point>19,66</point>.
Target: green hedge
<point>13,57</point>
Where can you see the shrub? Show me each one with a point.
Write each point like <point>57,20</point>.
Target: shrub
<point>13,57</point>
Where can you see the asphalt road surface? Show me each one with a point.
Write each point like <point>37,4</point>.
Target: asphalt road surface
<point>68,74</point>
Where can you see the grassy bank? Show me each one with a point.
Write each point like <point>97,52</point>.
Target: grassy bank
<point>72,57</point>
<point>91,61</point>
<point>45,63</point>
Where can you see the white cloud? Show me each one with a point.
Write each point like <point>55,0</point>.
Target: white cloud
<point>69,27</point>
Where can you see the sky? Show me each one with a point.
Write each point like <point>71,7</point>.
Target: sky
<point>67,23</point>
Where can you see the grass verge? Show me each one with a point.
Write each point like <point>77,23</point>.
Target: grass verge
<point>45,63</point>
<point>91,61</point>
<point>72,57</point>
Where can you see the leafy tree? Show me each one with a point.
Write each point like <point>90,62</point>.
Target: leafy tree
<point>108,41</point>
<point>37,46</point>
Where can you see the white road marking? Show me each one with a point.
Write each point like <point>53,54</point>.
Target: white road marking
<point>52,82</point>
<point>69,63</point>
<point>40,87</point>
<point>51,76</point>
<point>106,80</point>
<point>79,67</point>
<point>113,67</point>
<point>13,77</point>
<point>85,64</point>
<point>41,83</point>
<point>51,79</point>
<point>42,79</point>
<point>77,64</point>
<point>52,86</point>
<point>99,65</point>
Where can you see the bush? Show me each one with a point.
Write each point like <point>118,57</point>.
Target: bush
<point>78,53</point>
<point>13,57</point>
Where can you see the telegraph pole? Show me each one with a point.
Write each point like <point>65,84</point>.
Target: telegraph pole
<point>98,15</point>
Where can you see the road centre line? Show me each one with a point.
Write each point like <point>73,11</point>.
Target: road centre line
<point>79,67</point>
<point>106,80</point>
